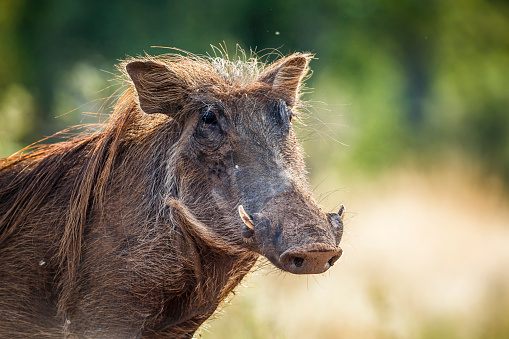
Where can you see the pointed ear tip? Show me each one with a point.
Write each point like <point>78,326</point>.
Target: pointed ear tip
<point>299,60</point>
<point>304,56</point>
<point>138,65</point>
<point>133,66</point>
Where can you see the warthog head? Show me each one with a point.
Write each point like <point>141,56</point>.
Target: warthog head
<point>238,166</point>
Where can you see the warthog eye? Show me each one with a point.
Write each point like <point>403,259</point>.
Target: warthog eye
<point>282,114</point>
<point>209,117</point>
<point>208,131</point>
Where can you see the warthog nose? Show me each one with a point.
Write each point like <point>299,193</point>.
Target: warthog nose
<point>313,259</point>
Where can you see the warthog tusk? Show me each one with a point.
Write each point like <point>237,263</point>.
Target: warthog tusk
<point>341,211</point>
<point>245,218</point>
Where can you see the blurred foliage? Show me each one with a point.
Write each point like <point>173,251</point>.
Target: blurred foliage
<point>400,79</point>
<point>394,82</point>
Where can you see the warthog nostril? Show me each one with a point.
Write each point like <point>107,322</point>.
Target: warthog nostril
<point>333,260</point>
<point>298,261</point>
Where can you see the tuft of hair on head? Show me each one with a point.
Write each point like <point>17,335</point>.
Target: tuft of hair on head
<point>165,84</point>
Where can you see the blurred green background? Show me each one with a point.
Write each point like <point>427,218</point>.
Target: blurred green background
<point>409,105</point>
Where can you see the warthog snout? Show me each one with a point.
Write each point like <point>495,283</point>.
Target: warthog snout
<point>299,240</point>
<point>312,259</point>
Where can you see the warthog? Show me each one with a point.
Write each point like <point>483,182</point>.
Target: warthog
<point>141,229</point>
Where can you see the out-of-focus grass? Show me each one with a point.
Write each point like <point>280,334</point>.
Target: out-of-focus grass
<point>426,255</point>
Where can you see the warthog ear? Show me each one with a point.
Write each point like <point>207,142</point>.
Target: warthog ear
<point>285,76</point>
<point>159,89</point>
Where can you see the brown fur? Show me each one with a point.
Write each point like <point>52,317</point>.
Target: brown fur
<point>132,231</point>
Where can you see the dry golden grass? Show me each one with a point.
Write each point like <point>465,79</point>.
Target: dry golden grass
<point>426,255</point>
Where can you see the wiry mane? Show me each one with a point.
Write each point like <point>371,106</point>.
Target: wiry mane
<point>240,71</point>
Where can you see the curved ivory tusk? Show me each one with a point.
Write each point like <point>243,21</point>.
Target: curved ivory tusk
<point>245,218</point>
<point>341,211</point>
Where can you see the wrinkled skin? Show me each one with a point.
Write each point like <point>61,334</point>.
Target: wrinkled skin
<point>254,160</point>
